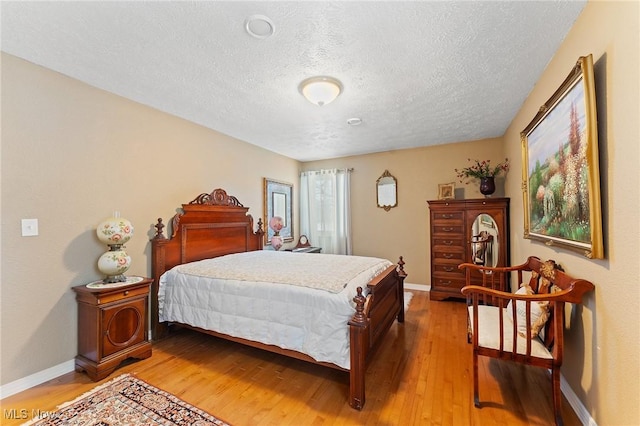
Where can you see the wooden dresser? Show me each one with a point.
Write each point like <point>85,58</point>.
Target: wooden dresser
<point>453,224</point>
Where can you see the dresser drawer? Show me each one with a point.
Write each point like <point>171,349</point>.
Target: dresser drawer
<point>125,293</point>
<point>449,270</point>
<point>448,284</point>
<point>102,297</point>
<point>445,215</point>
<point>454,255</point>
<point>452,242</point>
<point>448,229</point>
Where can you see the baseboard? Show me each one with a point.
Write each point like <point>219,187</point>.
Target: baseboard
<point>576,404</point>
<point>35,379</point>
<point>417,287</point>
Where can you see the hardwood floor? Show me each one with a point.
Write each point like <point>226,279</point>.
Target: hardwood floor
<point>428,381</point>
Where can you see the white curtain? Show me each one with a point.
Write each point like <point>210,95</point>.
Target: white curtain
<point>325,209</point>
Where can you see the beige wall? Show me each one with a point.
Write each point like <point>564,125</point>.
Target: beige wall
<point>71,155</point>
<point>403,230</point>
<point>603,342</point>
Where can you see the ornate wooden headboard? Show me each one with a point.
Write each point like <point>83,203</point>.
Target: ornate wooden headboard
<point>211,225</point>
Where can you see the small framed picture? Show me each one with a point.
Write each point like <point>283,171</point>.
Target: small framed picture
<point>446,191</point>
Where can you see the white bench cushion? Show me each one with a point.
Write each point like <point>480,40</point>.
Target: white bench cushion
<point>489,333</point>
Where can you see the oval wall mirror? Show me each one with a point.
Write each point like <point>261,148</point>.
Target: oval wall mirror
<point>485,245</point>
<point>387,191</point>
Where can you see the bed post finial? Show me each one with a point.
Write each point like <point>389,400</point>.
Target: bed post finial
<point>401,271</point>
<point>359,317</point>
<point>260,231</point>
<point>159,230</point>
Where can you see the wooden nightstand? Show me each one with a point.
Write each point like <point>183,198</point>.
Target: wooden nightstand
<point>112,326</point>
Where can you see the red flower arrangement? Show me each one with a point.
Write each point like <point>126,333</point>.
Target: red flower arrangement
<point>482,169</point>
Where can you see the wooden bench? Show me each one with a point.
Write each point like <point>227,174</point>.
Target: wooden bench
<point>511,326</point>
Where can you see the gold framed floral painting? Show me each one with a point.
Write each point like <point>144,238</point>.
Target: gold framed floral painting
<point>560,170</point>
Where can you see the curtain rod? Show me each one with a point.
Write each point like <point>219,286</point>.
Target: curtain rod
<point>345,170</point>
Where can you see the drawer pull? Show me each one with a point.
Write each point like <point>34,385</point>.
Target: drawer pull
<point>447,243</point>
<point>447,255</point>
<point>447,269</point>
<point>447,229</point>
<point>447,216</point>
<point>445,282</point>
<point>126,293</point>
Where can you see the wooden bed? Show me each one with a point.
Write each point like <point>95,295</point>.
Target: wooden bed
<point>217,224</point>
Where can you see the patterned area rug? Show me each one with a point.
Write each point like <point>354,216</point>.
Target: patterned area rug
<point>126,400</point>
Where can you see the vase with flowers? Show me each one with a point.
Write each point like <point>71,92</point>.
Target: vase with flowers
<point>276,224</point>
<point>484,172</point>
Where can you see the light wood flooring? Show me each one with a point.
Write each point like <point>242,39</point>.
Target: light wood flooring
<point>421,375</point>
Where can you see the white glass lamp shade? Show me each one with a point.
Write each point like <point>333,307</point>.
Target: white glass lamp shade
<point>320,90</point>
<point>115,231</point>
<point>114,264</point>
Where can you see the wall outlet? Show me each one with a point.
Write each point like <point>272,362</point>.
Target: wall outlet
<point>29,227</point>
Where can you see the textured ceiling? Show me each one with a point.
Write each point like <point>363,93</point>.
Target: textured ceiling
<point>416,73</point>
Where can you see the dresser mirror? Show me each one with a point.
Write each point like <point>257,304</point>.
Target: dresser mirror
<point>485,244</point>
<point>387,191</point>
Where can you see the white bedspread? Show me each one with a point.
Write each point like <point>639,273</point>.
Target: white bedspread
<point>289,312</point>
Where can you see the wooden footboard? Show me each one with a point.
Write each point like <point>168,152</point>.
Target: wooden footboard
<point>374,315</point>
<point>217,224</point>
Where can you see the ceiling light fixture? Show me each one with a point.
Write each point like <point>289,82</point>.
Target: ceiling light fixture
<point>259,26</point>
<point>320,90</point>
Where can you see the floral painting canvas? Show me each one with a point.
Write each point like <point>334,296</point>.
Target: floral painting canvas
<point>560,171</point>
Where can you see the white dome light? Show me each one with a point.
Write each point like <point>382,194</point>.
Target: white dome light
<point>320,90</point>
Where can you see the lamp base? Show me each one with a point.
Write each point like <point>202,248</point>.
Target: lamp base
<point>113,264</point>
<point>276,242</point>
<point>110,279</point>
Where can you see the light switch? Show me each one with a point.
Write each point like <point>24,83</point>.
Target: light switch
<point>29,227</point>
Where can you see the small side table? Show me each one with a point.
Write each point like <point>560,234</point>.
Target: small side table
<point>112,325</point>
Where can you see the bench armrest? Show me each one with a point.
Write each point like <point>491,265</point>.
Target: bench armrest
<point>571,295</point>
